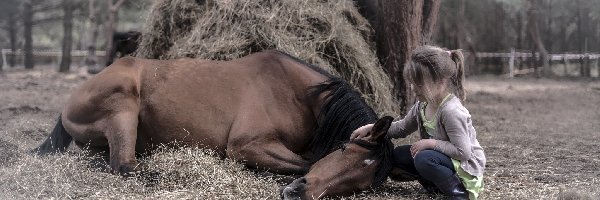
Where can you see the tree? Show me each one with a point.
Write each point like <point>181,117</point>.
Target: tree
<point>460,25</point>
<point>400,26</point>
<point>9,16</point>
<point>534,31</point>
<point>12,29</point>
<point>583,34</point>
<point>65,62</point>
<point>111,23</point>
<point>430,15</point>
<point>27,27</point>
<point>92,35</point>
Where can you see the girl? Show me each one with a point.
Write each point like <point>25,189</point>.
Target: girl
<point>448,158</point>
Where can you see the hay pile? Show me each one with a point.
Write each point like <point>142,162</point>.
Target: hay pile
<point>185,173</point>
<point>329,34</point>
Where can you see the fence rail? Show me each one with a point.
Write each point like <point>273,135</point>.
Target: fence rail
<point>46,53</point>
<point>554,57</point>
<point>79,53</point>
<point>513,55</point>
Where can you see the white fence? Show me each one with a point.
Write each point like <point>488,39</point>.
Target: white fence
<point>47,53</point>
<point>510,56</point>
<point>513,55</point>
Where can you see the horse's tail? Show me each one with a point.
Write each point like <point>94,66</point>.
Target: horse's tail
<point>57,142</point>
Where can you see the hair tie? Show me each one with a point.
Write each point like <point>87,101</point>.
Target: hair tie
<point>449,53</point>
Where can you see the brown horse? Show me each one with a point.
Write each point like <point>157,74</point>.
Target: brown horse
<point>269,110</point>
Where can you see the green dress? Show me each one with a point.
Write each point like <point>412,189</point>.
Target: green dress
<point>473,184</point>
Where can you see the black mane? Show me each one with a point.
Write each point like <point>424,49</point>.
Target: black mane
<point>343,112</point>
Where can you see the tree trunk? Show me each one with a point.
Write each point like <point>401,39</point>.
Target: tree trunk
<point>585,37</point>
<point>430,14</point>
<point>92,36</point>
<point>28,25</point>
<point>398,33</point>
<point>581,37</point>
<point>110,30</point>
<point>111,23</point>
<point>400,26</point>
<point>12,31</point>
<point>548,28</point>
<point>519,30</point>
<point>460,25</point>
<point>65,62</point>
<point>534,31</point>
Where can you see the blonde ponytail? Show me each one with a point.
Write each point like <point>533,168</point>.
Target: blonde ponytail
<point>458,79</point>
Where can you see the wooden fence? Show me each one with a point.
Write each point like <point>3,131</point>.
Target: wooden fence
<point>508,57</point>
<point>46,53</point>
<point>512,56</point>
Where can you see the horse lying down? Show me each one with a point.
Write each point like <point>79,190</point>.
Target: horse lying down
<point>268,109</point>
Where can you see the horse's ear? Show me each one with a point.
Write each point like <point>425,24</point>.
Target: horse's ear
<point>380,129</point>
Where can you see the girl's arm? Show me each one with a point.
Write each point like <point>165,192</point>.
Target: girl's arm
<point>456,123</point>
<point>405,126</point>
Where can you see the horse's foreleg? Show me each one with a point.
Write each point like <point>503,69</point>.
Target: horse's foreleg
<point>121,135</point>
<point>270,156</point>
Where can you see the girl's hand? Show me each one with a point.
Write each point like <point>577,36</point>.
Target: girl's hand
<point>361,132</point>
<point>421,145</point>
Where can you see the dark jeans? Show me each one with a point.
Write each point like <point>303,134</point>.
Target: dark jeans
<point>431,166</point>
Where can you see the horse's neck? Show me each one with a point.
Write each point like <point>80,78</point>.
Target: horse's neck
<point>304,77</point>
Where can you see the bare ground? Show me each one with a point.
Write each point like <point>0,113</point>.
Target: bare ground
<point>541,138</point>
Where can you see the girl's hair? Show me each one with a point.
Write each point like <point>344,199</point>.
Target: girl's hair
<point>430,66</point>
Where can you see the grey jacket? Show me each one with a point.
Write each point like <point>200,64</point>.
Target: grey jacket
<point>454,133</point>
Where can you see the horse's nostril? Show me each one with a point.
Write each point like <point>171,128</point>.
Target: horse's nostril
<point>295,190</point>
<point>302,180</point>
<point>288,190</point>
<point>290,193</point>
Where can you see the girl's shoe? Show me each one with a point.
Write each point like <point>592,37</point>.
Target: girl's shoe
<point>453,188</point>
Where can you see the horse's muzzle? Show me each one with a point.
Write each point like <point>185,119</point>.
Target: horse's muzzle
<point>295,190</point>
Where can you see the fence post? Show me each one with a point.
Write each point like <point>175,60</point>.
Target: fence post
<point>588,65</point>
<point>598,66</point>
<point>566,70</point>
<point>511,63</point>
<point>4,57</point>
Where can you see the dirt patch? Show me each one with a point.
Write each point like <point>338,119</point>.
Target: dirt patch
<point>541,138</point>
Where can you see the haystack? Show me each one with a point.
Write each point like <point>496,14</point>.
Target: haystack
<point>330,34</point>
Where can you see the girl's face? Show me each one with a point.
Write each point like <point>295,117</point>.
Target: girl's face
<point>429,92</point>
<point>420,92</point>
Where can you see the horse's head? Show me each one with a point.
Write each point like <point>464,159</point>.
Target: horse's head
<point>358,165</point>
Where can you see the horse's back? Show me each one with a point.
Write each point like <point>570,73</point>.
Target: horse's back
<point>209,102</point>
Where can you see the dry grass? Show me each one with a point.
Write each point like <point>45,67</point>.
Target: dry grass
<point>329,34</point>
<point>184,173</point>
<point>540,138</point>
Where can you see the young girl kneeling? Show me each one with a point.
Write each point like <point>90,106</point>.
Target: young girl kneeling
<point>448,158</point>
